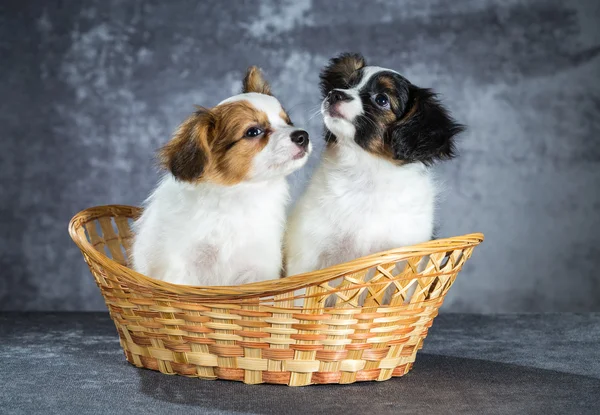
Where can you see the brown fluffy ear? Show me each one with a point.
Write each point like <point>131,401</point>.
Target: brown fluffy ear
<point>187,155</point>
<point>338,71</point>
<point>255,82</point>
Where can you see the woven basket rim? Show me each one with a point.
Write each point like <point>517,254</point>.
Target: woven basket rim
<point>255,289</point>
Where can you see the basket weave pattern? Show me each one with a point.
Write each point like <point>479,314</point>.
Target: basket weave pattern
<point>358,321</point>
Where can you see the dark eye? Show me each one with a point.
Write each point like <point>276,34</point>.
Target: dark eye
<point>253,132</point>
<point>382,100</point>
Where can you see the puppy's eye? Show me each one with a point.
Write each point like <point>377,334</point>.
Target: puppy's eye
<point>254,132</point>
<point>382,100</point>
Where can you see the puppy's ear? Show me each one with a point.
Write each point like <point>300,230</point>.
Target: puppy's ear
<point>426,132</point>
<point>339,70</point>
<point>255,82</point>
<point>187,155</point>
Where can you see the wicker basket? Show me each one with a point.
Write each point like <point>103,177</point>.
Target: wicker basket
<point>358,321</point>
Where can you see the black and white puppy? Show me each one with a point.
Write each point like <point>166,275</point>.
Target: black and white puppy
<point>373,189</point>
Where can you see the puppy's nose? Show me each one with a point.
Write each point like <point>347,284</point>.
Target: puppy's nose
<point>338,96</point>
<point>300,137</point>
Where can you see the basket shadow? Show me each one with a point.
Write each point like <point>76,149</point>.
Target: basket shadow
<point>437,384</point>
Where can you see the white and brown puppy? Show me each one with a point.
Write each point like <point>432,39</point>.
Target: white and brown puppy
<point>373,189</point>
<point>217,216</point>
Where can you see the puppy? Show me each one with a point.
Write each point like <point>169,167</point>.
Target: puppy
<point>373,189</point>
<point>217,216</point>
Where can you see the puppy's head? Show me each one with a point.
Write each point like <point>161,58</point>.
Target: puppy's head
<point>383,113</point>
<point>248,137</point>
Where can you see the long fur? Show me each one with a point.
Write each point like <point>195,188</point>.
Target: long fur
<point>217,217</point>
<point>210,234</point>
<point>373,189</point>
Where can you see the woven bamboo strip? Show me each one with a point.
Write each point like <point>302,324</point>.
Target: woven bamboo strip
<point>300,330</point>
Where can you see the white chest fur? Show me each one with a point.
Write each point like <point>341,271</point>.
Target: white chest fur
<point>212,235</point>
<point>357,204</point>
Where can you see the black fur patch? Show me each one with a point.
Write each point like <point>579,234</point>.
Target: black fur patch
<point>427,134</point>
<point>341,72</point>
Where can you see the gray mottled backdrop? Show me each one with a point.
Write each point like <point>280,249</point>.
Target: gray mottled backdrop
<point>89,90</point>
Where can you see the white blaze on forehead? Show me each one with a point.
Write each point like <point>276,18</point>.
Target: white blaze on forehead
<point>265,103</point>
<point>368,72</point>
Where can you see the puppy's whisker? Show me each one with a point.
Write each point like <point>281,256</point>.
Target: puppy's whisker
<point>313,116</point>
<point>299,104</point>
<point>315,108</point>
<point>316,112</point>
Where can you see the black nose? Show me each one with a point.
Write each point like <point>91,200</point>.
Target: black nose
<point>300,137</point>
<point>338,96</point>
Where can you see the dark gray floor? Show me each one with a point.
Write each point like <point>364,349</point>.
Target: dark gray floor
<point>521,364</point>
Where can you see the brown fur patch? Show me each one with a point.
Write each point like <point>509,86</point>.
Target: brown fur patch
<point>255,82</point>
<point>410,112</point>
<point>186,155</point>
<point>386,83</point>
<point>348,65</point>
<point>211,146</point>
<point>381,149</point>
<point>377,146</point>
<point>341,72</point>
<point>388,117</point>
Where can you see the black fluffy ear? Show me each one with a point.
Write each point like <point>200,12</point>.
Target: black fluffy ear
<point>187,155</point>
<point>426,132</point>
<point>254,81</point>
<point>338,72</point>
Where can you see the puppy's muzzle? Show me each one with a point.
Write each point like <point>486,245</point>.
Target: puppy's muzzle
<point>336,96</point>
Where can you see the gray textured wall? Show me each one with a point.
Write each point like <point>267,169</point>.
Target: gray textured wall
<point>90,89</point>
